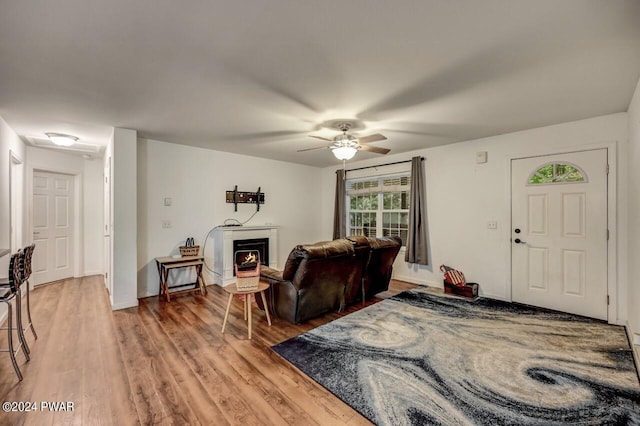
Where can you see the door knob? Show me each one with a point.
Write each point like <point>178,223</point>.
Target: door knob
<point>517,230</point>
<point>519,241</point>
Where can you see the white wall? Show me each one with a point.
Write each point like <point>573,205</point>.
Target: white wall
<point>9,142</point>
<point>123,151</point>
<point>634,212</point>
<point>463,196</point>
<point>197,180</point>
<point>93,218</point>
<point>89,204</point>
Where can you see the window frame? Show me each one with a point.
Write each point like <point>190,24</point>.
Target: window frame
<point>379,191</point>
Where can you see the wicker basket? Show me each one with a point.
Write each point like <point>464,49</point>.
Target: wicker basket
<point>189,250</point>
<point>247,280</point>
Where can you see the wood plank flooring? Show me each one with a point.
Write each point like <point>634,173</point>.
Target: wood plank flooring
<point>163,363</point>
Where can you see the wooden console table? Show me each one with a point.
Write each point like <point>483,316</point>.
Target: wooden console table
<point>165,264</point>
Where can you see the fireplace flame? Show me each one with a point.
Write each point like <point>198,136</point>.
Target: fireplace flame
<point>250,258</point>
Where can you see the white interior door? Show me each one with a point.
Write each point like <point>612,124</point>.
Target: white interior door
<point>52,226</point>
<point>559,232</point>
<point>107,226</point>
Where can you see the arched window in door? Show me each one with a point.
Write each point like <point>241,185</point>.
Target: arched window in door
<point>557,173</point>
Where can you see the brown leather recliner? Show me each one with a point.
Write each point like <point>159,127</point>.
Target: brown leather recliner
<point>377,275</point>
<point>313,280</point>
<point>362,248</point>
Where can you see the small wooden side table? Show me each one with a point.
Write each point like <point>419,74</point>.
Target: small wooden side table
<point>233,289</point>
<point>165,264</point>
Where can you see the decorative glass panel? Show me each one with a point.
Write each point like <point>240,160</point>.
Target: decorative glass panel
<point>557,173</point>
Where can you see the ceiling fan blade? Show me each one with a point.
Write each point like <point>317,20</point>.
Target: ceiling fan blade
<point>372,138</point>
<point>312,149</point>
<point>322,138</point>
<point>374,149</point>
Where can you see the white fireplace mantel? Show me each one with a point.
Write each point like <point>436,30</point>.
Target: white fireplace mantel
<point>223,237</point>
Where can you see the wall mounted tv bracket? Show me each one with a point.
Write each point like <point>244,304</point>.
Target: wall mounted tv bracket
<point>241,197</point>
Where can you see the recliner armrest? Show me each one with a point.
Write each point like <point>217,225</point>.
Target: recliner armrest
<point>270,273</point>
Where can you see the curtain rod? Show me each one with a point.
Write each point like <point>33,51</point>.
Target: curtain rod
<point>381,165</point>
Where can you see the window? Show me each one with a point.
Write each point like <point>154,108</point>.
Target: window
<point>379,206</point>
<point>557,173</point>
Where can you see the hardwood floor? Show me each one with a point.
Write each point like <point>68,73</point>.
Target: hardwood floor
<point>163,363</point>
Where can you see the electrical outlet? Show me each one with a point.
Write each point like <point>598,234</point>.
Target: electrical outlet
<point>492,224</point>
<point>166,224</point>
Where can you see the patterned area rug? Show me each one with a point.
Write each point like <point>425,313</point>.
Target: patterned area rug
<point>422,358</point>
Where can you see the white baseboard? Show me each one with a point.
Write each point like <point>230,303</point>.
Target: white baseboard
<point>124,305</point>
<point>155,293</point>
<point>634,340</point>
<point>495,297</point>
<point>414,280</point>
<point>91,273</point>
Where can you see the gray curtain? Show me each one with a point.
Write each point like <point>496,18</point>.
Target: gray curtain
<point>417,239</point>
<point>340,212</point>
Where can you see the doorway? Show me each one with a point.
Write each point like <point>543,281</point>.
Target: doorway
<point>107,226</point>
<point>53,226</point>
<point>559,234</point>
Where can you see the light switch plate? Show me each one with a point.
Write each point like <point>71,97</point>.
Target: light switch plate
<point>481,157</point>
<point>168,201</point>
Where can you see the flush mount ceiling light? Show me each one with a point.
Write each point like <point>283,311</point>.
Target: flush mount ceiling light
<point>61,139</point>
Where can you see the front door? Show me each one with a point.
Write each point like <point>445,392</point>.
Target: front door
<point>52,226</point>
<point>559,232</point>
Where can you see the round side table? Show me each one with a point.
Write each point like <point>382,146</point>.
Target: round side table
<point>233,289</point>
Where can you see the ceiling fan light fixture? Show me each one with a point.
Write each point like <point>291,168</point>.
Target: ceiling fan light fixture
<point>344,152</point>
<point>345,145</point>
<point>61,139</point>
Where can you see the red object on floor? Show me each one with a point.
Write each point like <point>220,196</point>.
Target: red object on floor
<point>469,290</point>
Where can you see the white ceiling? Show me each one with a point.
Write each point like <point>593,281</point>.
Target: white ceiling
<point>258,77</point>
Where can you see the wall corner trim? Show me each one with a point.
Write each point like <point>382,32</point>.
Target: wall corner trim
<point>125,305</point>
<point>635,349</point>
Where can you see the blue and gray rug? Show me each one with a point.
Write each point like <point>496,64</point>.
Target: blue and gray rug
<point>421,358</point>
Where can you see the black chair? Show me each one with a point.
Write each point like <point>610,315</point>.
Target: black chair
<point>24,265</point>
<point>8,293</point>
<point>25,270</point>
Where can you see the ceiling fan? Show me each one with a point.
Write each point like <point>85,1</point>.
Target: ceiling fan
<point>345,146</point>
